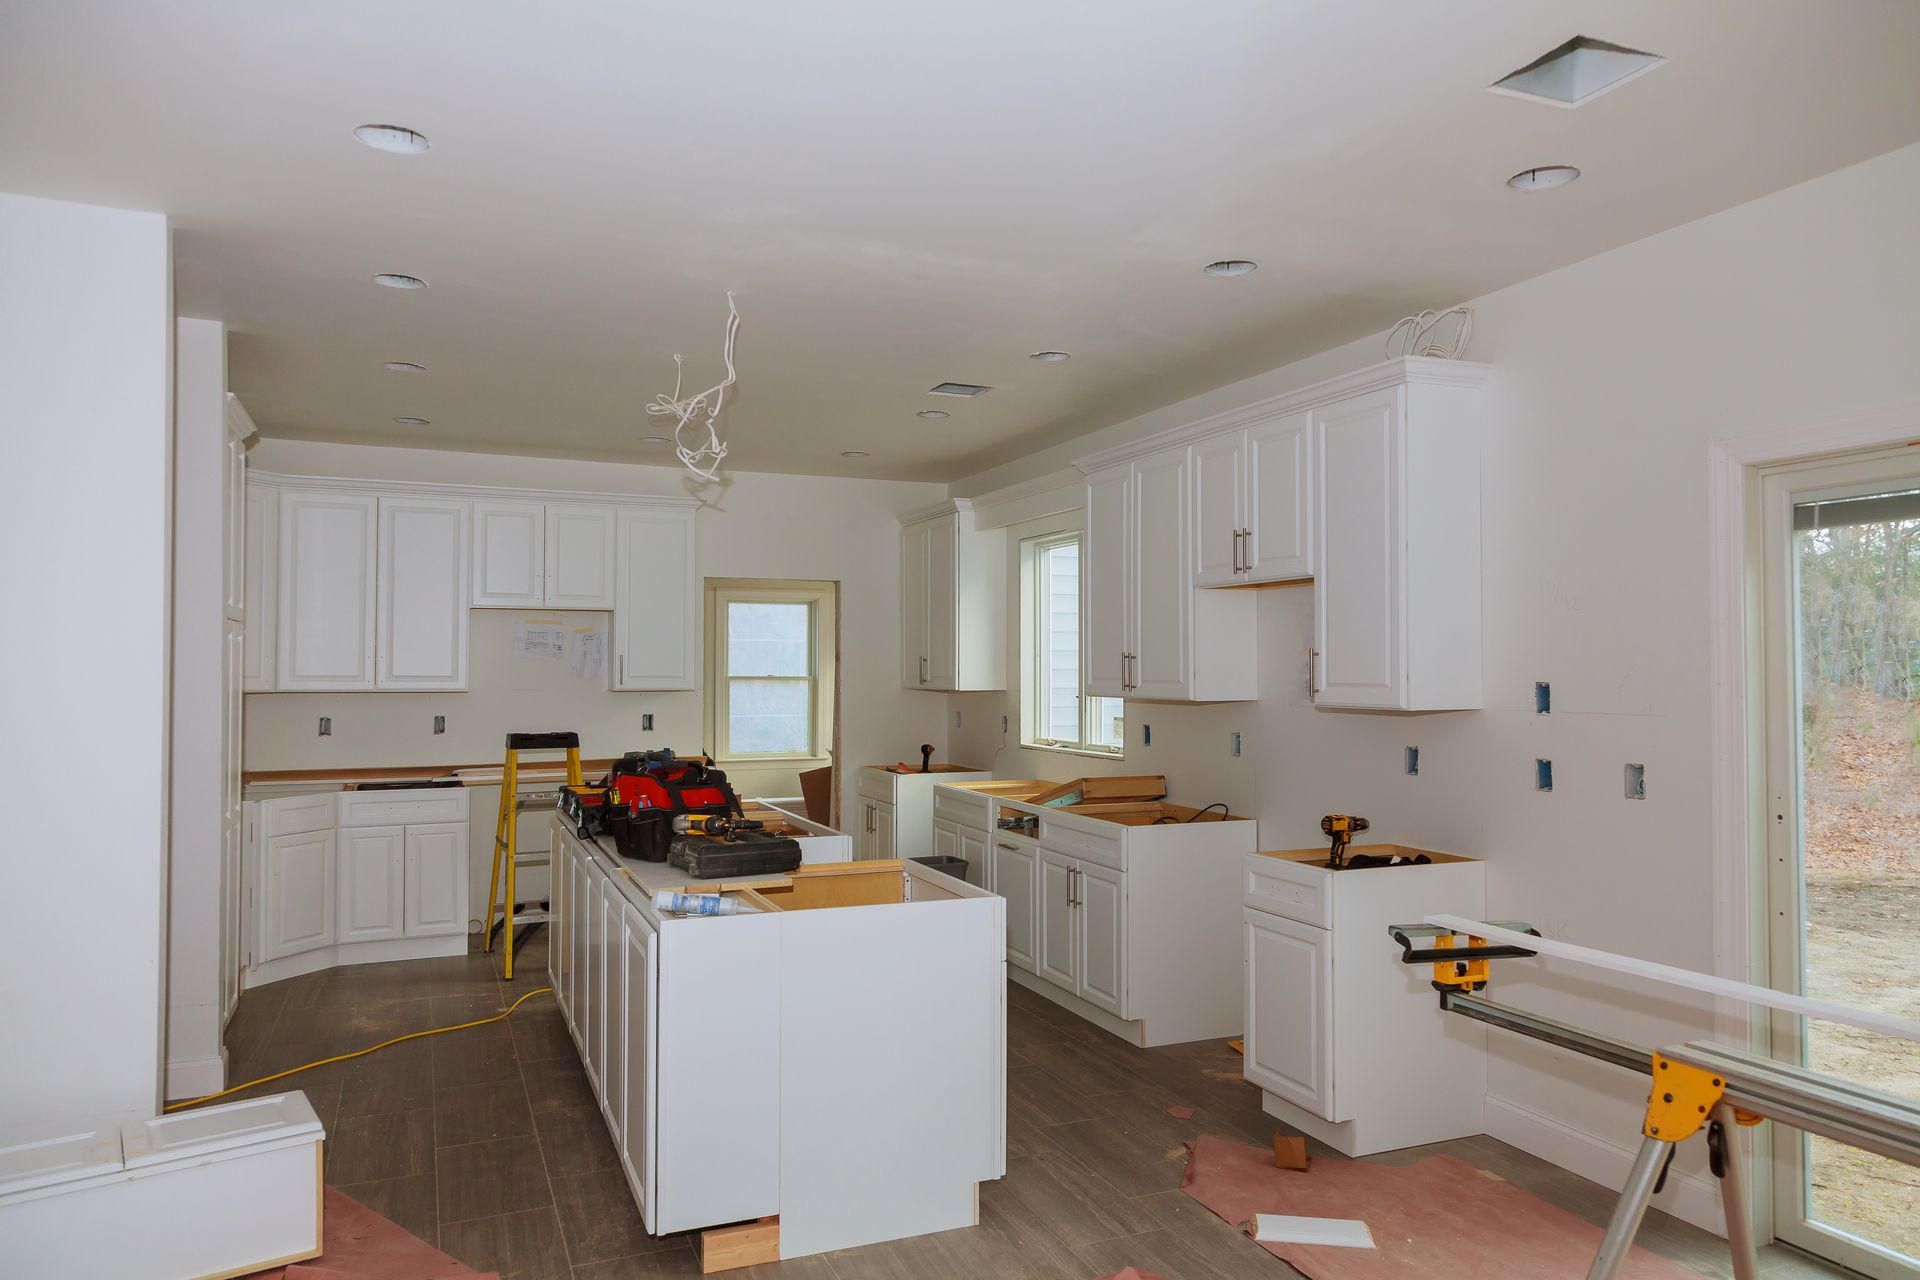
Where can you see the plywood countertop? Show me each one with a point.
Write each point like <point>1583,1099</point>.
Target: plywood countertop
<point>473,775</point>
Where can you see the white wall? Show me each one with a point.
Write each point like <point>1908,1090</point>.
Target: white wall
<point>760,526</point>
<point>1610,379</point>
<point>86,359</point>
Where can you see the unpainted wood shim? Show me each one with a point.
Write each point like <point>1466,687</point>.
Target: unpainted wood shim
<point>1825,1010</point>
<point>744,1244</point>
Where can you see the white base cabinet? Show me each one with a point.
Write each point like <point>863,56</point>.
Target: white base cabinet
<point>1346,1042</point>
<point>893,812</point>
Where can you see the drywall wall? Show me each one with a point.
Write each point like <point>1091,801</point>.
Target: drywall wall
<point>758,526</point>
<point>86,365</point>
<point>1610,379</point>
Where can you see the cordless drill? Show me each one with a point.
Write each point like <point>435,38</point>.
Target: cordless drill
<point>1341,829</point>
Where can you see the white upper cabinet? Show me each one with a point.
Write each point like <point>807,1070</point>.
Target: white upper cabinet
<point>1219,508</point>
<point>579,560</point>
<point>1253,503</point>
<point>326,554</point>
<point>1148,633</point>
<point>509,554</point>
<point>656,642</point>
<point>422,581</point>
<point>1397,514</point>
<point>261,589</point>
<point>953,579</point>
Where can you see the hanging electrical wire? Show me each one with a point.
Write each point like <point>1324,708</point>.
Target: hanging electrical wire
<point>700,412</point>
<point>1411,336</point>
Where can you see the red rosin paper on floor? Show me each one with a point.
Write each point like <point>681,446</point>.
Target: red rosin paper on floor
<point>1439,1218</point>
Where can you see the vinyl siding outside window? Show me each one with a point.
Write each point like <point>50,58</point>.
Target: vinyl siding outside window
<point>1056,713</point>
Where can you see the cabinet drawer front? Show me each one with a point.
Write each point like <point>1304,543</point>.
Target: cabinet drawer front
<point>1101,849</point>
<point>875,785</point>
<point>967,810</point>
<point>290,815</point>
<point>383,808</point>
<point>1298,893</point>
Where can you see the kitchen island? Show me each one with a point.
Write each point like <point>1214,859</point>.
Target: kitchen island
<point>834,1056</point>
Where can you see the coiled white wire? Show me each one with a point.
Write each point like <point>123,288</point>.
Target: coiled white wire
<point>1412,332</point>
<point>708,402</point>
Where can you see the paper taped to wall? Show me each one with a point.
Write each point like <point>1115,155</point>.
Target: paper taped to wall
<point>540,638</point>
<point>587,654</point>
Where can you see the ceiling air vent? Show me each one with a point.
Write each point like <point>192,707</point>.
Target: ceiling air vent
<point>1577,72</point>
<point>966,390</point>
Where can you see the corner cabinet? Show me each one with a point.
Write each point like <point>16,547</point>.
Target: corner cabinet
<point>952,601</point>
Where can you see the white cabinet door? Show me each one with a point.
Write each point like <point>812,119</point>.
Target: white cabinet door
<point>1357,617</point>
<point>509,556</point>
<point>423,594</point>
<point>368,872</point>
<point>656,602</point>
<point>1056,948</point>
<point>1289,1011</point>
<point>1219,508</point>
<point>296,894</point>
<point>577,948</point>
<point>946,838</point>
<point>943,599</point>
<point>613,1076</point>
<point>1100,902</point>
<point>1106,639</point>
<point>232,530</point>
<point>557,927</point>
<point>592,977</point>
<point>913,606</point>
<point>973,847</point>
<point>579,556</point>
<point>326,571</point>
<point>436,888</point>
<point>1162,598</point>
<point>1016,879</point>
<point>885,843</point>
<point>639,1058</point>
<point>261,552</point>
<point>1279,512</point>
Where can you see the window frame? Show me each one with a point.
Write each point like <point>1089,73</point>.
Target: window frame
<point>822,660</point>
<point>1032,663</point>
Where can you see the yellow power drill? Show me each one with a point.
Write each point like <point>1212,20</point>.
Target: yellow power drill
<point>1341,829</point>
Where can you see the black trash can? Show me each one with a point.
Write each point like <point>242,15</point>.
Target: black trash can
<point>955,867</point>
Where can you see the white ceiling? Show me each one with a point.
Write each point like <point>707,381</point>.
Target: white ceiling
<point>901,193</point>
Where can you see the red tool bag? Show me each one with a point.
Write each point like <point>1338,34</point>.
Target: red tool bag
<point>662,780</point>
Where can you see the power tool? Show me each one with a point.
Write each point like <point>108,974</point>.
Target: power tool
<point>1341,828</point>
<point>717,825</point>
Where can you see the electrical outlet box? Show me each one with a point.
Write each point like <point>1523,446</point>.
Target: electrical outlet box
<point>1003,724</point>
<point>1236,744</point>
<point>646,722</point>
<point>1413,762</point>
<point>1636,782</point>
<point>439,724</point>
<point>956,719</point>
<point>1543,775</point>
<point>1146,735</point>
<point>1542,698</point>
<point>326,726</point>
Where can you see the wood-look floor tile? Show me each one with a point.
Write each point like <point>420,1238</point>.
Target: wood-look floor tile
<point>467,1006</point>
<point>1038,1097</point>
<point>1008,1244</point>
<point>412,1202</point>
<point>1162,1252</point>
<point>1071,1200</point>
<point>395,1079</point>
<point>1080,1067</point>
<point>540,1032</point>
<point>519,1246</point>
<point>376,1147</point>
<point>1226,1248</point>
<point>575,1141</point>
<point>677,1263</point>
<point>487,1179</point>
<point>556,1084</point>
<point>464,1113</point>
<point>473,1056</point>
<point>599,1219</point>
<point>1141,1153</point>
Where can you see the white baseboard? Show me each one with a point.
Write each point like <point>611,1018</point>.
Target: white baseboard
<point>196,1077</point>
<point>1688,1196</point>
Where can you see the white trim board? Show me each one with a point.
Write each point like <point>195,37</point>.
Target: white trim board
<point>465,492</point>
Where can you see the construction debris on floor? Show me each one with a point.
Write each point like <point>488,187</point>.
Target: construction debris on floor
<point>359,1244</point>
<point>1429,1218</point>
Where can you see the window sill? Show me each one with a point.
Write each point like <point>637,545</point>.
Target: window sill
<point>772,762</point>
<point>1075,751</point>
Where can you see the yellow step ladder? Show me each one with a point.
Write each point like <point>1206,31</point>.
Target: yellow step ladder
<point>506,852</point>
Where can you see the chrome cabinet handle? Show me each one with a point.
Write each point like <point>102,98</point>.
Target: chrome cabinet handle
<point>623,668</point>
<point>1313,682</point>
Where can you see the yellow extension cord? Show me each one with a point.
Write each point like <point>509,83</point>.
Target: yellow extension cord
<point>359,1053</point>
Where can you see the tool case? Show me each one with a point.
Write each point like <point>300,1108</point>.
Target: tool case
<point>705,858</point>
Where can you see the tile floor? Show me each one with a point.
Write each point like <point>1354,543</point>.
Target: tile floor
<point>488,1144</point>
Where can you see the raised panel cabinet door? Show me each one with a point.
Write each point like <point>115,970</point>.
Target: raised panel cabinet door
<point>946,839</point>
<point>1015,879</point>
<point>509,554</point>
<point>579,556</point>
<point>943,602</point>
<point>232,531</point>
<point>1289,1011</point>
<point>1163,587</point>
<point>1279,517</point>
<point>885,840</point>
<point>296,894</point>
<point>368,873</point>
<point>1358,496</point>
<point>1102,963</point>
<point>639,1059</point>
<point>261,542</point>
<point>577,949</point>
<point>973,847</point>
<point>1219,509</point>
<point>1057,945</point>
<point>436,879</point>
<point>423,593</point>
<point>326,571</point>
<point>655,612</point>
<point>613,1095</point>
<point>1106,638</point>
<point>913,606</point>
<point>592,979</point>
<point>557,926</point>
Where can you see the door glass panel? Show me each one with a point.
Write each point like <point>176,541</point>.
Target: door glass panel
<point>1857,617</point>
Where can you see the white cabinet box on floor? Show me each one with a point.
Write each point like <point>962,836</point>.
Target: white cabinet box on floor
<point>1126,919</point>
<point>842,1069</point>
<point>1342,1037</point>
<point>893,816</point>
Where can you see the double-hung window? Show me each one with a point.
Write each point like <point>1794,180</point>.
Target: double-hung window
<point>1055,712</point>
<point>772,663</point>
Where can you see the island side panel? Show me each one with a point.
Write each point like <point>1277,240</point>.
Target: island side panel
<point>891,1020</point>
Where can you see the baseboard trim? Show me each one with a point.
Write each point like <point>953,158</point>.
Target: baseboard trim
<point>346,953</point>
<point>1688,1196</point>
<point>196,1077</point>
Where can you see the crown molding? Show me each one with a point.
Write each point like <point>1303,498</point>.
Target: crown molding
<point>944,507</point>
<point>466,492</point>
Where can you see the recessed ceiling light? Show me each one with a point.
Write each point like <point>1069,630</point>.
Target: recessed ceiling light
<point>855,453</point>
<point>965,390</point>
<point>1231,267</point>
<point>654,440</point>
<point>1544,178</point>
<point>413,422</point>
<point>1051,357</point>
<point>933,414</point>
<point>396,281</point>
<point>398,139</point>
<point>405,366</point>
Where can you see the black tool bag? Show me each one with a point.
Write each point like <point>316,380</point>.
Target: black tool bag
<point>704,858</point>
